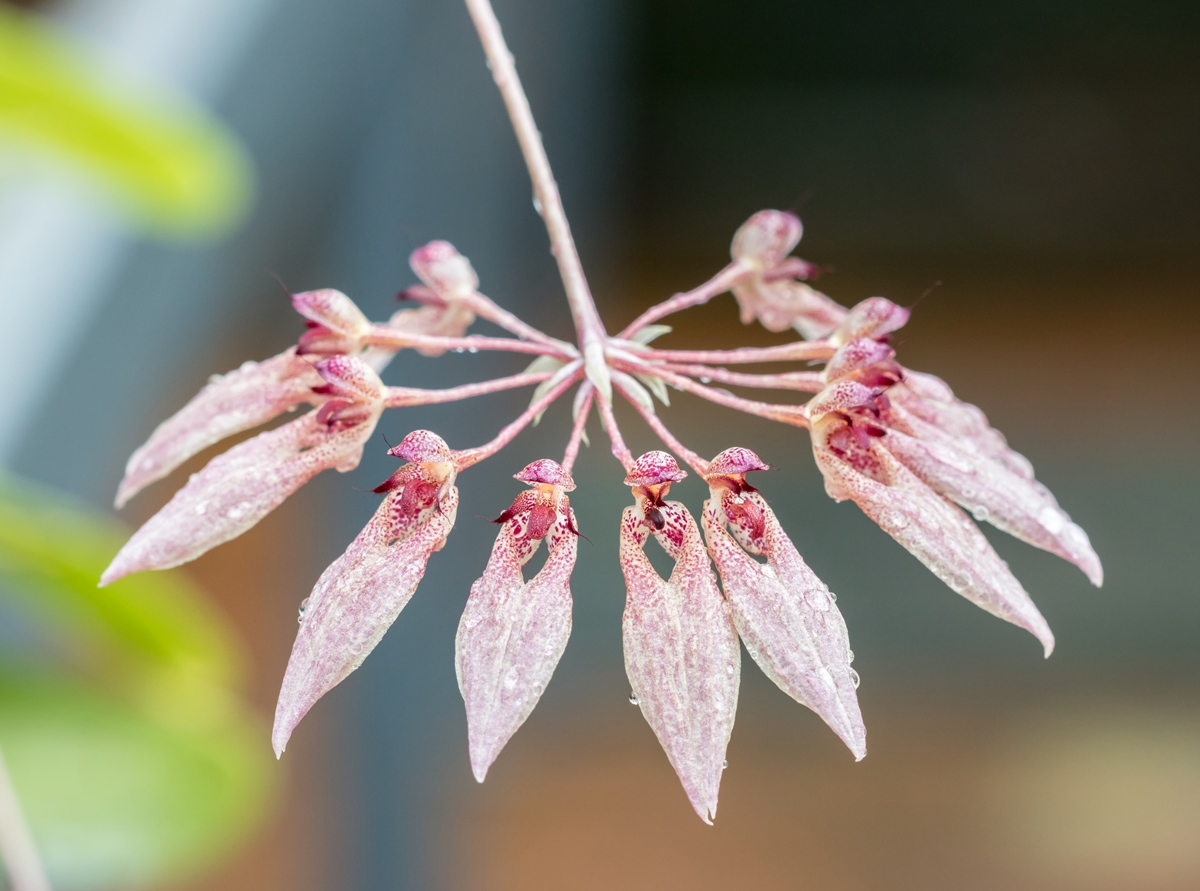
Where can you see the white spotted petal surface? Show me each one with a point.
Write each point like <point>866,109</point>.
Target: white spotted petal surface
<point>929,526</point>
<point>358,597</point>
<point>513,632</point>
<point>681,650</point>
<point>784,614</point>
<point>240,400</point>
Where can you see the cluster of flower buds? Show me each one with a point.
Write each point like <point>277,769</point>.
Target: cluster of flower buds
<point>896,442</point>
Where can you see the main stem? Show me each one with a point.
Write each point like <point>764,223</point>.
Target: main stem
<point>592,336</point>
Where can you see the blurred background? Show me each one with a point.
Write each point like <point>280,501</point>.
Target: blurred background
<point>1026,171</point>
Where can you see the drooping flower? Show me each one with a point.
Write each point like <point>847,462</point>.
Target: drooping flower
<point>513,632</point>
<point>362,592</point>
<point>774,295</point>
<point>952,448</point>
<point>447,277</point>
<point>856,466</point>
<point>784,614</point>
<point>238,488</point>
<point>681,649</point>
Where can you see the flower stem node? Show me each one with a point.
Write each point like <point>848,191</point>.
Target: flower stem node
<point>513,632</point>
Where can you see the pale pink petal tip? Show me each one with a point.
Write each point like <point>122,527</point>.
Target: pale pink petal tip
<point>513,633</point>
<point>654,469</point>
<point>240,400</point>
<point>360,595</point>
<point>333,310</point>
<point>444,269</point>
<point>766,238</point>
<point>785,615</point>
<point>681,649</point>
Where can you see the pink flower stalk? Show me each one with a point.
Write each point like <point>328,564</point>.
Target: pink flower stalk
<point>513,632</point>
<point>784,614</point>
<point>896,442</point>
<point>362,592</point>
<point>681,649</point>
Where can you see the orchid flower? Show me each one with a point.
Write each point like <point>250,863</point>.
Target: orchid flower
<point>896,442</point>
<point>513,632</point>
<point>681,649</point>
<point>785,614</point>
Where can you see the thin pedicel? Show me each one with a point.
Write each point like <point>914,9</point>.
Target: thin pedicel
<point>897,442</point>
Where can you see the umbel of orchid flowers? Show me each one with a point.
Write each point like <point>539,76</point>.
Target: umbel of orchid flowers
<point>922,464</point>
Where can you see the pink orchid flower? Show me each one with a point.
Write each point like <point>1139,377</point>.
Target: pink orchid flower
<point>362,592</point>
<point>784,614</point>
<point>241,486</point>
<point>772,295</point>
<point>681,649</point>
<point>513,632</point>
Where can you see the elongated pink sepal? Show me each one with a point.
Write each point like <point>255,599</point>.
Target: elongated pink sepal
<point>512,634</point>
<point>358,597</point>
<point>784,614</point>
<point>240,400</point>
<point>994,493</point>
<point>238,488</point>
<point>681,650</point>
<point>931,528</point>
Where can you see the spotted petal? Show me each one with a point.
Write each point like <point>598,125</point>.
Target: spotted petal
<point>237,401</point>
<point>512,634</point>
<point>992,491</point>
<point>358,597</point>
<point>681,650</point>
<point>784,614</point>
<point>931,528</point>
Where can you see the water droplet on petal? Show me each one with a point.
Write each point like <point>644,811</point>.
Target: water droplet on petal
<point>472,349</point>
<point>724,765</point>
<point>633,699</point>
<point>850,655</point>
<point>854,678</point>
<point>980,512</point>
<point>832,596</point>
<point>459,350</point>
<point>706,380</point>
<point>303,609</point>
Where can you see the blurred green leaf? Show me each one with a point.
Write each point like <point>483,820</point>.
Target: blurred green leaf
<point>117,799</point>
<point>177,169</point>
<point>131,748</point>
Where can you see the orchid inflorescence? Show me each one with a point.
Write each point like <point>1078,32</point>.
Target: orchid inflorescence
<point>896,442</point>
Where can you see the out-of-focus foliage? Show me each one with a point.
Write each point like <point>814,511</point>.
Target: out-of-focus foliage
<point>131,749</point>
<point>176,169</point>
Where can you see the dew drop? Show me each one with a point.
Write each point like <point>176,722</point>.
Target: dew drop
<point>633,698</point>
<point>459,350</point>
<point>850,655</point>
<point>854,678</point>
<point>201,508</point>
<point>473,349</point>
<point>724,765</point>
<point>706,380</point>
<point>753,654</point>
<point>729,669</point>
<point>833,597</point>
<point>303,609</point>
<point>537,205</point>
<point>980,513</point>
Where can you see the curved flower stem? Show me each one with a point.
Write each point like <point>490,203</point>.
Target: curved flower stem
<point>786,414</point>
<point>798,351</point>
<point>802,381</point>
<point>581,415</point>
<point>718,284</point>
<point>18,853</point>
<point>402,397</point>
<point>619,449</point>
<point>486,308</point>
<point>693,460</point>
<point>588,326</point>
<point>465,458</point>
<point>390,338</point>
